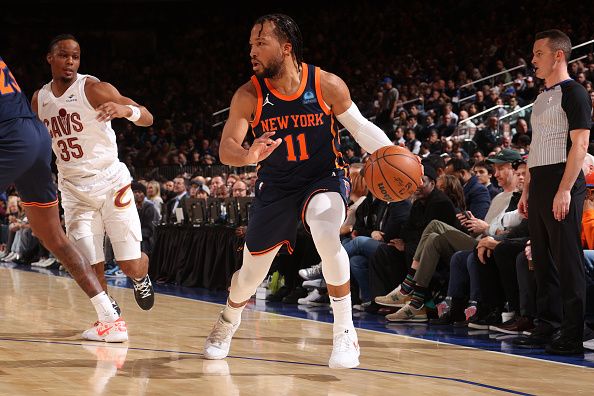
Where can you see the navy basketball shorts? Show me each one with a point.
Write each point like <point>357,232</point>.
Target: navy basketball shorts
<point>276,212</point>
<point>25,159</point>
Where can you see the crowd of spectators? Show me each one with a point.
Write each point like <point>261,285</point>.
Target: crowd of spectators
<point>413,76</point>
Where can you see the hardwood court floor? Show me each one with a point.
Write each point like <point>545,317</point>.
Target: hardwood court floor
<point>41,353</point>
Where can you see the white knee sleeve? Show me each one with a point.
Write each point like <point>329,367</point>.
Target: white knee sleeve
<point>252,272</point>
<point>324,216</point>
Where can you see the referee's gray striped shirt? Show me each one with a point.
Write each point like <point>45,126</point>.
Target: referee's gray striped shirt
<point>564,107</point>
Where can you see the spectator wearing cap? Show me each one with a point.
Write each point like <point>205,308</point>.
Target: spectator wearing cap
<point>202,191</point>
<point>149,217</point>
<point>476,195</point>
<point>389,104</point>
<point>439,241</point>
<point>388,266</point>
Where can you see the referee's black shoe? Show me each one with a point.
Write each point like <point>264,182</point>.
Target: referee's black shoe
<point>540,337</point>
<point>565,346</point>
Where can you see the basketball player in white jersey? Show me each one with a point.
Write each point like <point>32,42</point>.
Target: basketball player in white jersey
<point>95,186</point>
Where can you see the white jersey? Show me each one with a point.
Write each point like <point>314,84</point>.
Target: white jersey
<point>84,147</point>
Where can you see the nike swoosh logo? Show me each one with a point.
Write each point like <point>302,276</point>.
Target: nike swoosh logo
<point>44,104</point>
<point>99,332</point>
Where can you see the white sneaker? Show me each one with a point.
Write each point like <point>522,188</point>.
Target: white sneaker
<point>218,341</point>
<point>315,299</point>
<point>107,331</point>
<point>314,294</point>
<point>315,284</point>
<point>10,257</point>
<point>50,261</point>
<point>345,351</point>
<point>37,263</point>
<point>589,345</point>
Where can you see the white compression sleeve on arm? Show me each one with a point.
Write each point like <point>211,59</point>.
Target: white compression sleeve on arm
<point>366,133</point>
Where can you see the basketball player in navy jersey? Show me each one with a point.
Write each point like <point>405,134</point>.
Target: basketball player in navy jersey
<point>291,107</point>
<point>25,156</point>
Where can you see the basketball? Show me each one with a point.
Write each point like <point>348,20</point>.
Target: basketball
<point>393,173</point>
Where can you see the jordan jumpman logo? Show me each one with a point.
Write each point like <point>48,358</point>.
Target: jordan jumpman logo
<point>267,101</point>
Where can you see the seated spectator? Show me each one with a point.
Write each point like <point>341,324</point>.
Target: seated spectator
<point>411,142</point>
<point>476,195</point>
<point>484,173</point>
<point>350,155</point>
<point>218,189</point>
<point>239,189</point>
<point>451,187</point>
<point>488,137</point>
<point>148,215</point>
<point>202,191</point>
<point>177,201</point>
<point>153,189</point>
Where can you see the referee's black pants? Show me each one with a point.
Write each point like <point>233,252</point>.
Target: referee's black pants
<point>557,252</point>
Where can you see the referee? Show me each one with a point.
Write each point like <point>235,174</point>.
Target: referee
<point>553,197</point>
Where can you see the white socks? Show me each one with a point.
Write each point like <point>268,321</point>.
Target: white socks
<point>105,310</point>
<point>343,314</point>
<point>231,314</point>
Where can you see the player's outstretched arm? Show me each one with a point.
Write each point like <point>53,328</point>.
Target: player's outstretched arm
<point>243,106</point>
<point>336,94</point>
<point>110,104</point>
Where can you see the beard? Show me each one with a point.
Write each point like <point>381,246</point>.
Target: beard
<point>68,80</point>
<point>272,70</point>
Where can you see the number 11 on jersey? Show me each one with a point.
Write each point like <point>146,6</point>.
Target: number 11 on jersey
<point>291,148</point>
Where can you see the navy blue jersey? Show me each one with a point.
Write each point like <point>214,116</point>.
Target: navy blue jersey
<point>13,102</point>
<point>311,145</point>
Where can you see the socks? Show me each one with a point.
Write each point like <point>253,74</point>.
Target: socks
<point>418,297</point>
<point>343,314</point>
<point>409,283</point>
<point>105,310</point>
<point>232,314</point>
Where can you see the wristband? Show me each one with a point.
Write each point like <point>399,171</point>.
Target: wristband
<point>135,113</point>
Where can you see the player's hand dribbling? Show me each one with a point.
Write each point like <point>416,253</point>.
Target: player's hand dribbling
<point>262,147</point>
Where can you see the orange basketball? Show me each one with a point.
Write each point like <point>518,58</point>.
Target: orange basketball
<point>393,173</point>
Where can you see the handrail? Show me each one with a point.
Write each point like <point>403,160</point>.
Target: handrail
<point>480,114</point>
<point>515,111</point>
<point>466,98</point>
<point>411,101</point>
<point>491,76</point>
<point>582,44</point>
<point>220,111</point>
<point>577,59</point>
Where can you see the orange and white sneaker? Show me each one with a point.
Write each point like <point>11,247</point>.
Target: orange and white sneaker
<point>107,331</point>
<point>345,351</point>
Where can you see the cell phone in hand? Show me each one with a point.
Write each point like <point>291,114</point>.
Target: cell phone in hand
<point>467,215</point>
